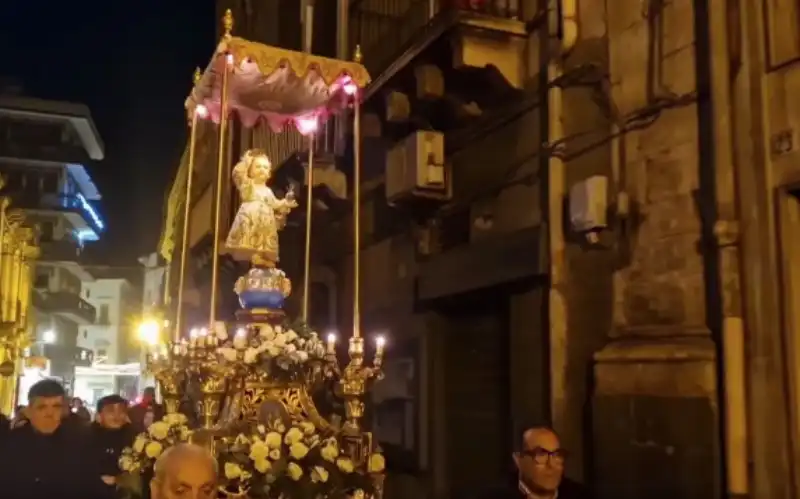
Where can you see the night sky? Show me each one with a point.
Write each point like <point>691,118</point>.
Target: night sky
<point>131,62</point>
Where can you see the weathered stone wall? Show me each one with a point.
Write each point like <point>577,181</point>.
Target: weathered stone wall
<point>658,372</point>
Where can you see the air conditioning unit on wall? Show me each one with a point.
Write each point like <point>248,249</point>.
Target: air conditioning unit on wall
<point>416,167</point>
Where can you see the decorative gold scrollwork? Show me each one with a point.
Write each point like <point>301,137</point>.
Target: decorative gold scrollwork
<point>294,400</point>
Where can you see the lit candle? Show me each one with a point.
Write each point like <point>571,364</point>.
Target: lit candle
<point>331,343</point>
<point>380,343</point>
<point>240,339</point>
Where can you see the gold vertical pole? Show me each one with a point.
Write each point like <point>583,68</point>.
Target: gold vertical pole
<point>223,118</point>
<point>186,212</point>
<point>3,272</point>
<point>357,209</point>
<point>309,210</point>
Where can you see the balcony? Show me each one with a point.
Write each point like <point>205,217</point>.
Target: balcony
<point>67,305</point>
<point>59,251</point>
<point>43,152</point>
<point>76,208</point>
<point>71,355</point>
<point>483,33</point>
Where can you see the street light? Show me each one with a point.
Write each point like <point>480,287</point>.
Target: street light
<point>149,332</point>
<point>49,336</point>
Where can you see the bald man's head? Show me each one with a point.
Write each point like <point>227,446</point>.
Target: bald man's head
<point>540,436</point>
<point>185,471</point>
<point>540,460</point>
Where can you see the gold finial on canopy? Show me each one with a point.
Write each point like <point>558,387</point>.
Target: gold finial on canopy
<point>357,56</point>
<point>227,23</point>
<point>197,75</point>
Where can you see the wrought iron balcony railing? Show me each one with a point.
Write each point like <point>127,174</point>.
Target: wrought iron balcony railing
<point>384,28</point>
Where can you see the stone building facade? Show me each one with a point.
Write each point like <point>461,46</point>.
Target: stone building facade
<point>662,351</point>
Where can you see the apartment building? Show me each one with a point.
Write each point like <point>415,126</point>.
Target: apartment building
<point>44,147</point>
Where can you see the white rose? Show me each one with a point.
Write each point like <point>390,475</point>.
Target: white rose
<point>139,443</point>
<point>262,466</point>
<point>227,353</point>
<point>301,356</point>
<point>278,329</point>
<point>319,474</point>
<point>292,436</point>
<point>290,349</point>
<point>298,450</point>
<point>345,464</point>
<point>258,451</point>
<point>125,463</point>
<point>159,430</point>
<point>232,471</point>
<point>294,471</point>
<point>273,440</point>
<point>153,450</point>
<point>175,419</point>
<point>290,335</point>
<point>273,351</point>
<point>329,453</point>
<point>307,427</point>
<point>250,356</point>
<point>266,332</point>
<point>376,463</point>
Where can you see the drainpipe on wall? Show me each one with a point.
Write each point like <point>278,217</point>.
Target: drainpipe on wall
<point>561,39</point>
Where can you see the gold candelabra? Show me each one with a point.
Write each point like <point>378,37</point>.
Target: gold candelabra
<point>192,359</point>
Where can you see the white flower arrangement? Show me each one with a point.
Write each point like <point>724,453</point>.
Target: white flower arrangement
<point>273,461</point>
<point>283,347</point>
<point>171,430</point>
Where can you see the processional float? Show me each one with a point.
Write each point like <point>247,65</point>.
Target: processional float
<point>255,378</point>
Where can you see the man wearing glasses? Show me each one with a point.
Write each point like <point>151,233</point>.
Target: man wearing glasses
<point>540,463</point>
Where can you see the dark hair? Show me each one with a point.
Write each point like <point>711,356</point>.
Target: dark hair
<point>110,400</point>
<point>46,388</point>
<point>150,390</point>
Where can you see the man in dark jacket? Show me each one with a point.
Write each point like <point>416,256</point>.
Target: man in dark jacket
<point>42,458</point>
<point>540,465</point>
<point>111,433</point>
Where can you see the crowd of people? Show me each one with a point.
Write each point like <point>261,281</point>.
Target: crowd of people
<point>54,449</point>
<point>51,449</point>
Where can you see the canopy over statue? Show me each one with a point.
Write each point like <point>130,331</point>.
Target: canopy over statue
<point>274,84</point>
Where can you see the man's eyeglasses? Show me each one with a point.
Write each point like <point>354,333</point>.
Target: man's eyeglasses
<point>541,455</point>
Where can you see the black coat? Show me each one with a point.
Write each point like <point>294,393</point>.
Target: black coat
<point>567,490</point>
<point>107,445</point>
<point>36,466</point>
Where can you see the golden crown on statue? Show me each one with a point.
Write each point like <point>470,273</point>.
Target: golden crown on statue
<point>252,383</point>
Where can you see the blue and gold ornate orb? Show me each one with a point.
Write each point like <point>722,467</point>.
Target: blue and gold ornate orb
<point>263,288</point>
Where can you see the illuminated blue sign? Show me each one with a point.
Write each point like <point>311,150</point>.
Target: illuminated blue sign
<point>90,209</point>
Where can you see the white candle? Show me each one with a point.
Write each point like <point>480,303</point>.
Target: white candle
<point>331,343</point>
<point>380,343</point>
